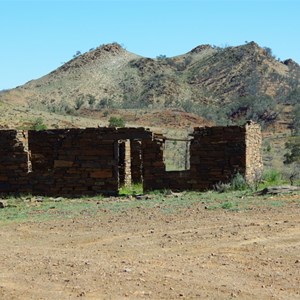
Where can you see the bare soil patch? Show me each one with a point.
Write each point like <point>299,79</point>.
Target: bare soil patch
<point>154,253</point>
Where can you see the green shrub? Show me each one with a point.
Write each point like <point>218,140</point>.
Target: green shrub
<point>293,97</point>
<point>38,124</point>
<point>293,147</point>
<point>292,158</point>
<point>296,120</point>
<point>134,189</point>
<point>227,205</point>
<point>116,122</point>
<point>79,102</point>
<point>272,176</point>
<point>238,183</point>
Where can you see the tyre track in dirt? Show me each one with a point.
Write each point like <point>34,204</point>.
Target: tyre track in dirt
<point>193,254</point>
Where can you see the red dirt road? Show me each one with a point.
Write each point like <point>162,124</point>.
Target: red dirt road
<point>145,253</point>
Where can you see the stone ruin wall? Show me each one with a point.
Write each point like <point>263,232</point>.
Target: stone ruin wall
<point>216,155</point>
<point>13,162</point>
<point>74,162</point>
<point>254,163</point>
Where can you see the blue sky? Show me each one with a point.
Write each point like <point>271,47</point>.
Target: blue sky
<point>38,36</point>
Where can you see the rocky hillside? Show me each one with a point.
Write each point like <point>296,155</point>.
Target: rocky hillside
<point>216,83</point>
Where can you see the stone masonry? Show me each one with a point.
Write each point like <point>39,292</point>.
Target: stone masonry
<point>76,162</point>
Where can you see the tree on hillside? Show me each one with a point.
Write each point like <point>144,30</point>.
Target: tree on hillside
<point>296,120</point>
<point>269,52</point>
<point>293,147</point>
<point>293,97</point>
<point>77,53</point>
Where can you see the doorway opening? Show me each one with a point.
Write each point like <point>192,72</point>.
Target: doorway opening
<point>130,166</point>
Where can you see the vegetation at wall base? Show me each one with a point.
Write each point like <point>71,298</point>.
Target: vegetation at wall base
<point>38,208</point>
<point>134,189</point>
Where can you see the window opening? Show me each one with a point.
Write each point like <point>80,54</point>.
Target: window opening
<point>177,154</point>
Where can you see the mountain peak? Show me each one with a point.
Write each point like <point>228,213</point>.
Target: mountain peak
<point>112,48</point>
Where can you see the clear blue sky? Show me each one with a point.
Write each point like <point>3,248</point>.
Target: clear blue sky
<point>37,36</point>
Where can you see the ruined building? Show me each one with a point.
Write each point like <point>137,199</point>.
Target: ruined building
<point>74,162</point>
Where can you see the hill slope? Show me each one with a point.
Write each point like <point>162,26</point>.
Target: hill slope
<point>207,80</point>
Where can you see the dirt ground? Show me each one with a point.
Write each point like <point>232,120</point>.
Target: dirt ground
<point>145,252</point>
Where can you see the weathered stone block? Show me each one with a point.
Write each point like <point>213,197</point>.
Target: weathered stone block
<point>102,174</point>
<point>63,164</point>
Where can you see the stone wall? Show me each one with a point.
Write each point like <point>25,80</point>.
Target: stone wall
<point>13,162</point>
<point>216,155</point>
<point>75,162</point>
<point>63,162</point>
<point>254,163</point>
<point>154,169</point>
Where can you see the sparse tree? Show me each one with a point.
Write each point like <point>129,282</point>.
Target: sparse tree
<point>293,147</point>
<point>77,53</point>
<point>269,52</point>
<point>296,120</point>
<point>161,57</point>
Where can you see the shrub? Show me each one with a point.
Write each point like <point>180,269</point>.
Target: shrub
<point>293,97</point>
<point>161,57</point>
<point>292,158</point>
<point>238,183</point>
<point>227,205</point>
<point>222,187</point>
<point>91,100</point>
<point>134,189</point>
<point>257,179</point>
<point>296,119</point>
<point>293,147</point>
<point>272,176</point>
<point>116,122</point>
<point>103,103</point>
<point>292,173</point>
<point>261,109</point>
<point>269,52</point>
<point>38,124</point>
<point>62,108</point>
<point>79,102</point>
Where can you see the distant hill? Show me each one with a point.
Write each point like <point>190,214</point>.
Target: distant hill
<point>220,84</point>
